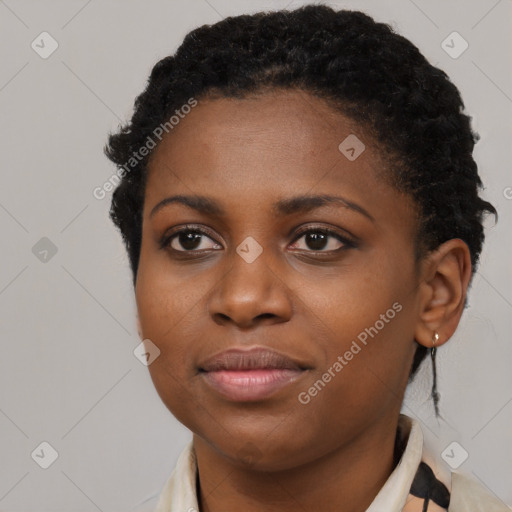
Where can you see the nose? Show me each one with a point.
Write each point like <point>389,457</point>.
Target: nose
<point>250,294</point>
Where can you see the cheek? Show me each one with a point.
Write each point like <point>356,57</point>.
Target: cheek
<point>163,313</point>
<point>351,301</point>
<point>168,300</point>
<point>369,321</point>
<point>164,319</point>
<point>362,381</point>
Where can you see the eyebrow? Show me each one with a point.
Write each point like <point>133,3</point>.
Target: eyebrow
<point>289,206</point>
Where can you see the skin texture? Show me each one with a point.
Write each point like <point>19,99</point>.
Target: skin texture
<point>335,452</point>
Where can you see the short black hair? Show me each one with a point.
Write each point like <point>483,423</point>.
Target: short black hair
<point>361,67</point>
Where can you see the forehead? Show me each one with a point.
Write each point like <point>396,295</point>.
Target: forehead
<point>269,145</point>
<point>287,131</point>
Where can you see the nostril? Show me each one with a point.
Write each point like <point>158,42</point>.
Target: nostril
<point>266,315</point>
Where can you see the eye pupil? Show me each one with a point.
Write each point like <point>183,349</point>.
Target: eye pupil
<point>316,240</point>
<point>189,240</point>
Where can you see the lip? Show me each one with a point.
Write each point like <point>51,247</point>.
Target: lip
<point>254,358</point>
<point>247,375</point>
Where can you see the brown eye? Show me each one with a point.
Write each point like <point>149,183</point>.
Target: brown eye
<point>189,240</point>
<point>322,240</point>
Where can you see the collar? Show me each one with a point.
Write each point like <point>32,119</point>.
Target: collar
<point>395,492</point>
<point>179,492</point>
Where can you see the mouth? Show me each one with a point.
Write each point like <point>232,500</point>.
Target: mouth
<point>250,375</point>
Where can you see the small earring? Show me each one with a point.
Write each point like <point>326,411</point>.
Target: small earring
<point>435,339</point>
<point>435,395</point>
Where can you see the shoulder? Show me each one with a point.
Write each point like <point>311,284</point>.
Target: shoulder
<point>468,495</point>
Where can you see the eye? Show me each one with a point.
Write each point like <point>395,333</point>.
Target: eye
<point>317,239</point>
<point>189,239</point>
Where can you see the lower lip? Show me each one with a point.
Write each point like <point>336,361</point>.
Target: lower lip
<point>250,385</point>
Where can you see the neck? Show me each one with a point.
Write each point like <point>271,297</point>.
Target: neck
<point>346,479</point>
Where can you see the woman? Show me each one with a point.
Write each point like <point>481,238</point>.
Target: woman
<point>300,206</point>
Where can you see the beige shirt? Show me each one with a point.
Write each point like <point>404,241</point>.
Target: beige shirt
<point>466,495</point>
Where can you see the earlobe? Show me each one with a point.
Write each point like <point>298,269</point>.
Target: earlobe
<point>445,280</point>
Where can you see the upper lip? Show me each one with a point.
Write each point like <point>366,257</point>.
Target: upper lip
<point>249,359</point>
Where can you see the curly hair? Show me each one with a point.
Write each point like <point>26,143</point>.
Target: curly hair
<point>364,69</point>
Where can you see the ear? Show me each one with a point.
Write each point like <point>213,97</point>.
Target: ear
<point>443,286</point>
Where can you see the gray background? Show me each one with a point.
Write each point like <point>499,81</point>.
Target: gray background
<point>68,375</point>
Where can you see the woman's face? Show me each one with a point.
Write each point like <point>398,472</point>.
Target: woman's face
<point>255,278</point>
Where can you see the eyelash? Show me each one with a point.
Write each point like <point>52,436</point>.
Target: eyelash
<point>347,242</point>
